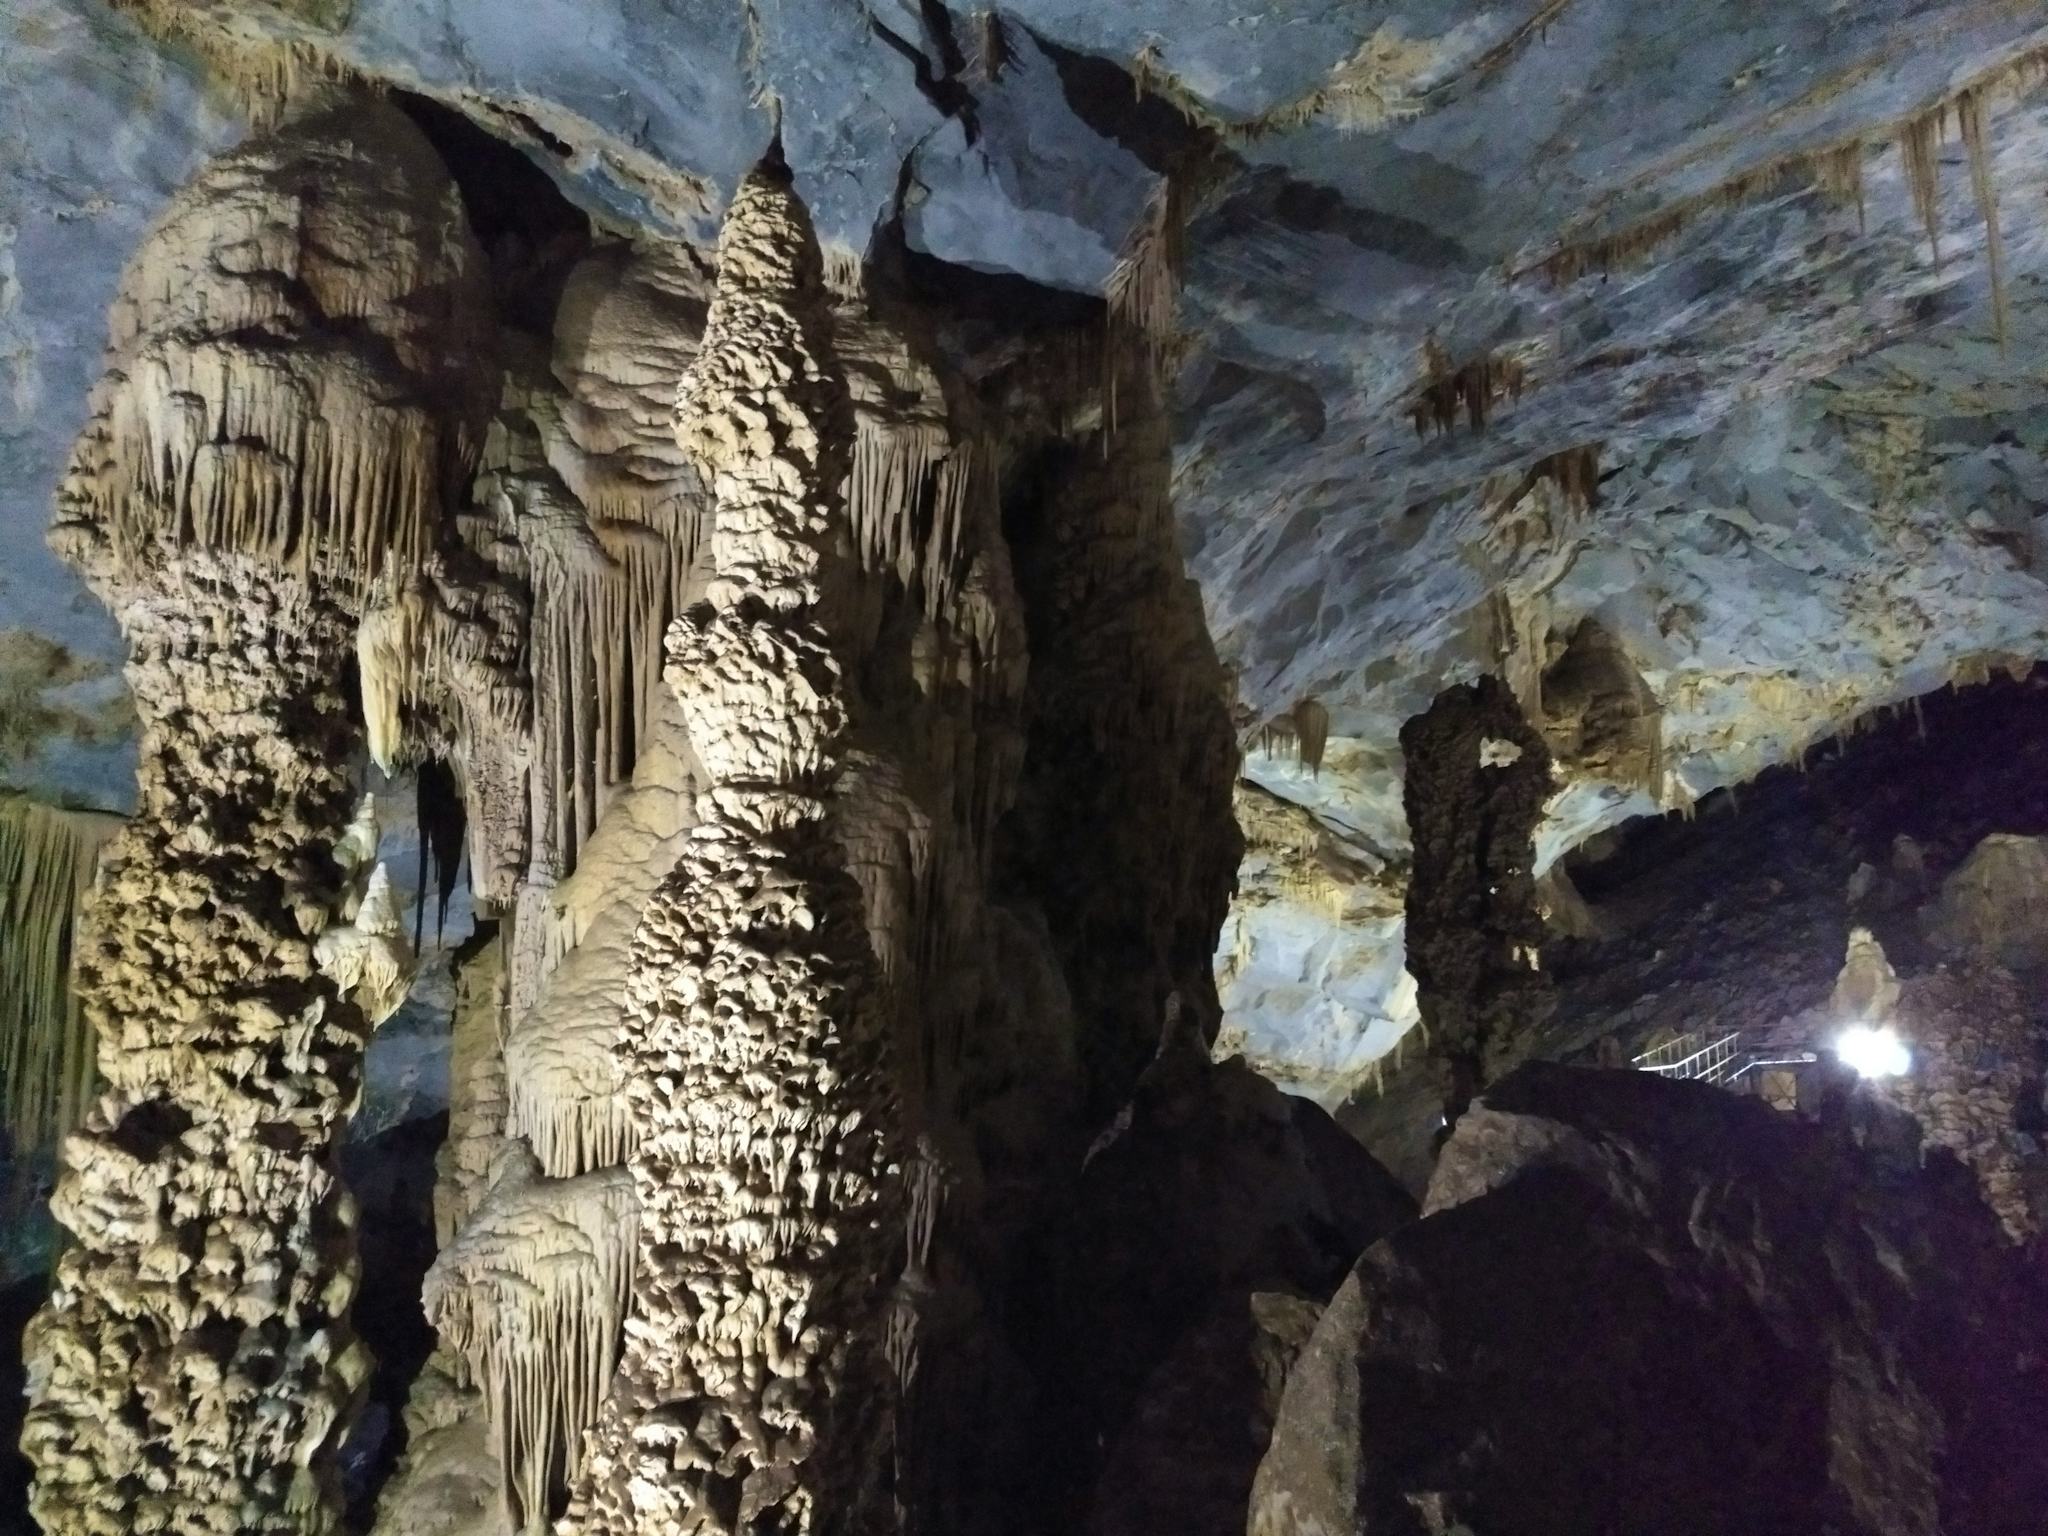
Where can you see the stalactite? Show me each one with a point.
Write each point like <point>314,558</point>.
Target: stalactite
<point>747,1396</point>
<point>1303,732</point>
<point>1824,166</point>
<point>1143,291</point>
<point>1919,152</point>
<point>1471,389</point>
<point>532,1295</point>
<point>1839,174</point>
<point>1477,779</point>
<point>48,860</point>
<point>232,501</point>
<point>1971,116</point>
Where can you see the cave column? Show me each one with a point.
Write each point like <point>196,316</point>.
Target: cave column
<point>289,405</point>
<point>755,1038</point>
<point>194,1369</point>
<point>1477,778</point>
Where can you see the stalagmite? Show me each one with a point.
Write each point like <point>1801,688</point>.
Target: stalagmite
<point>279,427</point>
<point>1477,778</point>
<point>758,1062</point>
<point>48,860</point>
<point>194,1370</point>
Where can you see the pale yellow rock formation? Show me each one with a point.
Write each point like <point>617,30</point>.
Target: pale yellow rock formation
<point>290,403</point>
<point>759,1075</point>
<point>49,858</point>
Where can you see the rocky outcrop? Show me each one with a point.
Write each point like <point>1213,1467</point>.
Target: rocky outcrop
<point>1978,1061</point>
<point>1641,1305</point>
<point>279,429</point>
<point>1478,776</point>
<point>1209,1187</point>
<point>1994,908</point>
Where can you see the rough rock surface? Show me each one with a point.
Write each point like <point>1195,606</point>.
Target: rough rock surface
<point>760,1082</point>
<point>1994,908</point>
<point>1477,777</point>
<point>1979,1055</point>
<point>1248,1189</point>
<point>1185,1460</point>
<point>1635,1304</point>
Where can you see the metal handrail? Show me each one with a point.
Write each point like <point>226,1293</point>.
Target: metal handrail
<point>1703,1062</point>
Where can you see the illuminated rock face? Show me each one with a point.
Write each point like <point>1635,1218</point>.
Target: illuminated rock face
<point>194,1369</point>
<point>759,1072</point>
<point>278,426</point>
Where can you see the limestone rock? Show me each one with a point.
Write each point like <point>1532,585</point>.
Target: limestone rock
<point>1185,1459</point>
<point>1643,1305</point>
<point>1210,1186</point>
<point>1995,906</point>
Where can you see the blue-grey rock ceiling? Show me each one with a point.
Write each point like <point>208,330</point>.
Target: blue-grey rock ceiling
<point>1821,475</point>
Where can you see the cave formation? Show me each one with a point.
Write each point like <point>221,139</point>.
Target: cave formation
<point>1477,777</point>
<point>1067,894</point>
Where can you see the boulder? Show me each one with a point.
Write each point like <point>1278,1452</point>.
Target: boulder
<point>1995,906</point>
<point>1642,1306</point>
<point>1185,1460</point>
<point>1211,1185</point>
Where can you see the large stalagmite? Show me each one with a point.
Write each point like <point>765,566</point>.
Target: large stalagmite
<point>287,406</point>
<point>757,1054</point>
<point>1478,776</point>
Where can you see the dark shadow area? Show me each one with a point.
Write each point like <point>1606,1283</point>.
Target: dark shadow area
<point>531,232</point>
<point>392,1178</point>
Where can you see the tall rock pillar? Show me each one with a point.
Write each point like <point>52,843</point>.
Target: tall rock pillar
<point>1477,778</point>
<point>286,408</point>
<point>756,1041</point>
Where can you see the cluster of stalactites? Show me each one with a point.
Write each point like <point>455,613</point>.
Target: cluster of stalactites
<point>48,858</point>
<point>1469,389</point>
<point>194,1370</point>
<point>1303,732</point>
<point>531,1297</point>
<point>1836,170</point>
<point>311,400</point>
<point>756,1052</point>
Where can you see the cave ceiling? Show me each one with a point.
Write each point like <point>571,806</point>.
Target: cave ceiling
<point>1809,472</point>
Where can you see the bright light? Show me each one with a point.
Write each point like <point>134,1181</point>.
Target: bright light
<point>1872,1051</point>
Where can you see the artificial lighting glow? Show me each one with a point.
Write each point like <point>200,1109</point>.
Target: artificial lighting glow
<point>1873,1051</point>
